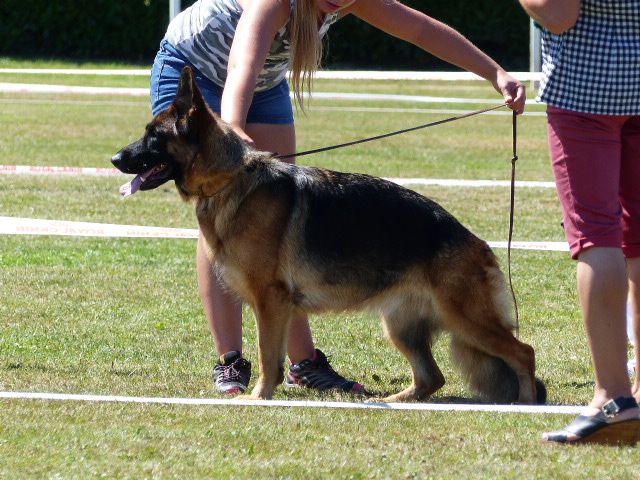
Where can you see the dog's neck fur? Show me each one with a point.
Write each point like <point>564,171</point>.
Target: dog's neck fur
<point>215,213</point>
<point>222,157</point>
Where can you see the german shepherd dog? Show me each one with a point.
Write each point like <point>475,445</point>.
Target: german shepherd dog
<point>293,240</point>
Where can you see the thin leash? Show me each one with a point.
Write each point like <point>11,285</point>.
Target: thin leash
<point>433,124</point>
<point>386,135</point>
<point>512,206</point>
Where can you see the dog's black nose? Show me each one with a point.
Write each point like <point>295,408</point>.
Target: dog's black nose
<point>116,160</point>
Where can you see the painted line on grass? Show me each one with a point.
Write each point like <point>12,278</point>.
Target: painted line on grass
<point>134,72</point>
<point>83,103</point>
<point>33,226</point>
<point>67,89</point>
<point>401,98</point>
<point>445,182</point>
<point>441,407</point>
<point>431,111</point>
<point>52,170</point>
<point>320,108</point>
<point>442,182</point>
<point>131,91</point>
<point>322,74</point>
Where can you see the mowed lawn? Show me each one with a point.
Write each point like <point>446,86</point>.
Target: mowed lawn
<point>121,316</point>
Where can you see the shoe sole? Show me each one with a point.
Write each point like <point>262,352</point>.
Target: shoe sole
<point>620,433</point>
<point>626,433</point>
<point>231,391</point>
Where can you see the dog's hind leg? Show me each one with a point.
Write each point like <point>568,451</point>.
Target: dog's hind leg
<point>273,315</point>
<point>412,335</point>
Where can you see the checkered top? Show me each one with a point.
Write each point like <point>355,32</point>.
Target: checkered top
<point>595,66</point>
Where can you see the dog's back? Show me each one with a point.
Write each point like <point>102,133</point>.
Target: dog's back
<point>366,234</point>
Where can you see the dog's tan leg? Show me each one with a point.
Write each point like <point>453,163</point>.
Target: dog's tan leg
<point>412,336</point>
<point>273,316</point>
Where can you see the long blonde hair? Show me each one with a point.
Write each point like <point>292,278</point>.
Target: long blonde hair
<point>305,47</point>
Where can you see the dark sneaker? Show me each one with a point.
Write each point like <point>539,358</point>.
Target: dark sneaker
<point>231,374</point>
<point>317,373</point>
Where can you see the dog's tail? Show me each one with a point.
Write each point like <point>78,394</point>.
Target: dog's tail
<point>490,376</point>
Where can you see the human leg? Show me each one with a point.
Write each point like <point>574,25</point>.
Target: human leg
<point>586,154</point>
<point>602,289</point>
<point>633,269</point>
<point>630,200</point>
<point>222,309</point>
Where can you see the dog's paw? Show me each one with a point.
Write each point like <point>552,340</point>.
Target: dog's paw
<point>249,396</point>
<point>256,395</point>
<point>376,399</point>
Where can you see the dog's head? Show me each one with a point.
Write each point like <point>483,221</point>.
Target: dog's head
<point>186,143</point>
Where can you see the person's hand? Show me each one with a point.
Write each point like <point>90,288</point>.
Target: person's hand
<point>512,90</point>
<point>243,135</point>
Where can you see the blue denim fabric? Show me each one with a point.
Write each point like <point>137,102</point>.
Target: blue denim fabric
<point>271,106</point>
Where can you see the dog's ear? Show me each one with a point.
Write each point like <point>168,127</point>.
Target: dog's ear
<point>188,103</point>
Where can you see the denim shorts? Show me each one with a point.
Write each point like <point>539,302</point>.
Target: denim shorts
<point>271,106</point>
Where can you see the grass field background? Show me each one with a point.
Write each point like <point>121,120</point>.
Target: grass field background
<point>122,316</point>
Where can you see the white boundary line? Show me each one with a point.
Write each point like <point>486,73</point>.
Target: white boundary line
<point>322,74</point>
<point>444,182</point>
<point>430,111</point>
<point>137,72</point>
<point>42,88</point>
<point>52,170</point>
<point>319,108</point>
<point>139,92</point>
<point>32,226</point>
<point>441,407</point>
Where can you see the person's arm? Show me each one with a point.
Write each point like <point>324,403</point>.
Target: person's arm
<point>557,16</point>
<point>440,40</point>
<point>256,29</point>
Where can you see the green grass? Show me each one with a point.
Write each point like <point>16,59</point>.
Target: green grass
<point>11,62</point>
<point>122,316</point>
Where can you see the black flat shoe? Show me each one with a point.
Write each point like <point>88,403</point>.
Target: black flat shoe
<point>601,428</point>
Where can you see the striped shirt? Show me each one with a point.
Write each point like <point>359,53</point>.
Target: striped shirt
<point>204,32</point>
<point>595,66</point>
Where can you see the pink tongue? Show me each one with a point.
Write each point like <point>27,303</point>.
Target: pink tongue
<point>131,187</point>
<point>134,185</point>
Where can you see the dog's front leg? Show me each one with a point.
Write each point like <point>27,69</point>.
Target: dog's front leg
<point>273,315</point>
